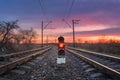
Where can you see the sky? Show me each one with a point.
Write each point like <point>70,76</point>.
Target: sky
<point>96,17</point>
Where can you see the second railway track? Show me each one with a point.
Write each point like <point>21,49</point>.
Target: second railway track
<point>7,58</point>
<point>12,55</point>
<point>10,65</point>
<point>107,64</point>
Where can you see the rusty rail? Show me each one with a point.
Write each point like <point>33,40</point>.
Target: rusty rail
<point>97,54</point>
<point>6,56</point>
<point>11,65</point>
<point>113,73</point>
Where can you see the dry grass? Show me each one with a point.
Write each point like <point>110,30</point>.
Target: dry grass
<point>112,48</point>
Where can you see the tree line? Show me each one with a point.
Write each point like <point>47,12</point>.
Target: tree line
<point>11,33</point>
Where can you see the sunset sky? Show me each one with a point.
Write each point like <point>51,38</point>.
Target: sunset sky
<point>98,18</point>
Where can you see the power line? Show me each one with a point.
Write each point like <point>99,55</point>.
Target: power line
<point>67,6</point>
<point>68,12</point>
<point>43,9</point>
<point>70,9</point>
<point>66,23</point>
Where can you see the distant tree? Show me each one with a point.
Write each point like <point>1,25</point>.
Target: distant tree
<point>6,32</point>
<point>18,38</point>
<point>27,35</point>
<point>102,39</point>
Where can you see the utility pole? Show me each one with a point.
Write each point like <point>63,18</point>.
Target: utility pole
<point>73,33</point>
<point>42,28</point>
<point>55,40</point>
<point>73,28</point>
<point>42,34</point>
<point>47,40</point>
<point>73,23</point>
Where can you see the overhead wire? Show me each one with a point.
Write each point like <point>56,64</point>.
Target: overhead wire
<point>43,9</point>
<point>70,9</point>
<point>68,12</point>
<point>66,8</point>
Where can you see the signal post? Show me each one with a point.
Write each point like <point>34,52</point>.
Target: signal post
<point>61,51</point>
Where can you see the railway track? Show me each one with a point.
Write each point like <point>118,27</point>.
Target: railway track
<point>5,59</point>
<point>109,65</point>
<point>10,65</point>
<point>18,54</point>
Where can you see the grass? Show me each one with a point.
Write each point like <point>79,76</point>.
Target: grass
<point>111,48</point>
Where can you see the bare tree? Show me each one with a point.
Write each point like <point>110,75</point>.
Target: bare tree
<point>27,35</point>
<point>6,32</point>
<point>18,38</point>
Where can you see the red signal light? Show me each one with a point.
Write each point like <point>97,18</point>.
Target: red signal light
<point>61,45</point>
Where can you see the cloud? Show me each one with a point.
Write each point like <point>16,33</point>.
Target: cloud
<point>110,31</point>
<point>88,6</point>
<point>90,12</point>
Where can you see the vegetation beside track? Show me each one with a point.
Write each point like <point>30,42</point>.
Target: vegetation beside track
<point>112,48</point>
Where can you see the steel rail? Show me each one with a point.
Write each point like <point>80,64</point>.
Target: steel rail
<point>2,57</point>
<point>113,73</point>
<point>11,65</point>
<point>97,54</point>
